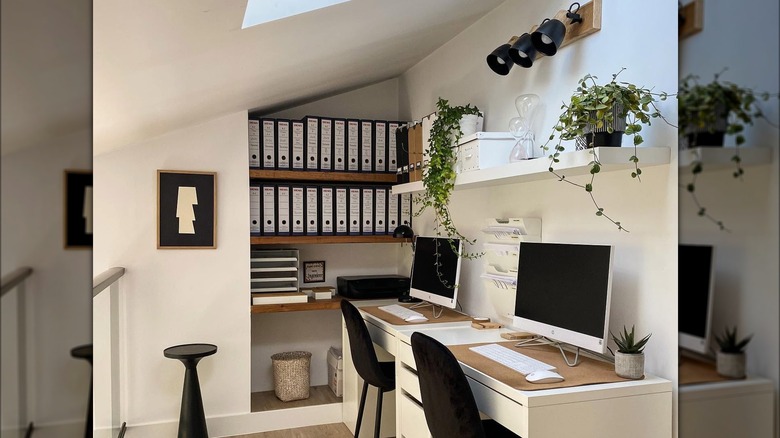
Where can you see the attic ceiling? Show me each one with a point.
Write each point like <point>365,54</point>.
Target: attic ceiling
<point>163,65</point>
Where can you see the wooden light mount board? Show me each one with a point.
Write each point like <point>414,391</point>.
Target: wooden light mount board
<point>693,13</point>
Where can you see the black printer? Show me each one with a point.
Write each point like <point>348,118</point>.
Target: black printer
<point>372,286</point>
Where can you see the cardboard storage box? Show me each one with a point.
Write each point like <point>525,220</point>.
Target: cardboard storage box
<point>482,150</point>
<point>336,371</point>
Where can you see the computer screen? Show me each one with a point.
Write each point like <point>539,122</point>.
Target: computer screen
<point>694,292</point>
<point>564,292</point>
<point>437,286</point>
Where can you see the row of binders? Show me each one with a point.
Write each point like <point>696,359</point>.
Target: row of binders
<point>324,144</point>
<point>278,209</point>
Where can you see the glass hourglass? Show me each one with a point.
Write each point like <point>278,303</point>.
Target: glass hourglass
<point>521,127</point>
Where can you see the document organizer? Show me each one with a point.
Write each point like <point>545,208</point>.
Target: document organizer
<point>514,229</point>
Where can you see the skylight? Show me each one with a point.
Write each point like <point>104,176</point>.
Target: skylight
<point>263,11</point>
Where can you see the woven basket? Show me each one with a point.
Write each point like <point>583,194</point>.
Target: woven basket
<point>291,375</point>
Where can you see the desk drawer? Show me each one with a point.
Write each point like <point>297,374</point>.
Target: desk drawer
<point>405,355</point>
<point>500,408</point>
<point>413,423</point>
<point>408,381</point>
<point>382,338</point>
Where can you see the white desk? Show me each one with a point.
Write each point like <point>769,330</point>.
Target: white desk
<point>641,408</point>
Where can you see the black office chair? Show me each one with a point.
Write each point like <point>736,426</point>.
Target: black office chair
<point>368,367</point>
<point>450,409</point>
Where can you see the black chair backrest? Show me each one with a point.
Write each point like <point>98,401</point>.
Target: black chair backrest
<point>450,409</point>
<point>362,348</point>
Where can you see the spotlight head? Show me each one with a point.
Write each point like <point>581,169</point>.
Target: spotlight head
<point>549,36</point>
<point>523,51</point>
<point>499,60</point>
<point>403,231</point>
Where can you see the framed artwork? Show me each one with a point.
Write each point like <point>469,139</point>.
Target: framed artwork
<point>77,209</point>
<point>186,209</point>
<point>314,272</point>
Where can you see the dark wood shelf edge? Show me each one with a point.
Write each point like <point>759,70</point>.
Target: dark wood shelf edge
<point>331,304</point>
<point>336,177</point>
<point>292,240</point>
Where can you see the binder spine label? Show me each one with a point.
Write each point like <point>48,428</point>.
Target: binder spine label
<point>283,209</point>
<point>353,146</point>
<point>254,143</point>
<point>269,144</point>
<point>283,143</point>
<point>392,212</point>
<point>326,144</point>
<point>406,209</point>
<point>380,151</point>
<point>312,211</point>
<point>298,200</point>
<point>367,226</point>
<point>269,210</point>
<point>380,210</point>
<point>354,211</point>
<point>297,154</point>
<point>326,209</point>
<point>312,143</point>
<point>254,210</point>
<point>339,145</point>
<point>366,146</point>
<point>392,147</point>
<point>342,209</point>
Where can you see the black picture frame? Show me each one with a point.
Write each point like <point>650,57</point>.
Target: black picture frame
<point>190,194</point>
<point>77,209</point>
<point>314,272</point>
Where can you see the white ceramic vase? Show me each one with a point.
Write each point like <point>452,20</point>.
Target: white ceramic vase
<point>630,366</point>
<point>731,364</point>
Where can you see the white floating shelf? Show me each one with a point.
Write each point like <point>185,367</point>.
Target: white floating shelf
<point>571,163</point>
<point>713,158</point>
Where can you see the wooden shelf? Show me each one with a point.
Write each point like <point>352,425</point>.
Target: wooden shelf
<point>331,177</point>
<point>713,158</point>
<point>571,163</point>
<point>331,304</point>
<point>267,401</point>
<point>299,240</point>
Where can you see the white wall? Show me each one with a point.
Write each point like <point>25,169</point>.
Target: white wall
<point>644,287</point>
<point>172,297</point>
<point>746,281</point>
<point>58,292</point>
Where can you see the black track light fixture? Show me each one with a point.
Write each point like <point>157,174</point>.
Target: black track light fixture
<point>499,60</point>
<point>523,52</point>
<point>550,34</point>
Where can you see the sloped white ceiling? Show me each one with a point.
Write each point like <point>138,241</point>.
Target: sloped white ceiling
<point>161,65</point>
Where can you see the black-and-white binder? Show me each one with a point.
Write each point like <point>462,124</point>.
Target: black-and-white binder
<point>326,144</point>
<point>311,129</point>
<point>380,146</point>
<point>392,147</point>
<point>283,138</point>
<point>283,196</point>
<point>353,145</point>
<point>268,143</point>
<point>366,145</point>
<point>297,152</point>
<point>312,210</point>
<point>406,209</point>
<point>254,143</point>
<point>297,210</point>
<point>380,210</point>
<point>339,145</point>
<point>342,210</point>
<point>254,209</point>
<point>354,211</point>
<point>367,207</point>
<point>327,210</point>
<point>269,210</point>
<point>393,213</point>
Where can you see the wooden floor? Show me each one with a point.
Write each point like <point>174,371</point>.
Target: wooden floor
<point>318,395</point>
<point>336,430</point>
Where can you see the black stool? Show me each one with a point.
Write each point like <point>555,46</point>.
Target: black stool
<point>192,419</point>
<point>85,352</point>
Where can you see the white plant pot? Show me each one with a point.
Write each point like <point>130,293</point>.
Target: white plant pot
<point>731,364</point>
<point>630,366</point>
<point>470,123</point>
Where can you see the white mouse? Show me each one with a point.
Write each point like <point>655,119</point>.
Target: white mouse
<point>416,318</point>
<point>544,377</point>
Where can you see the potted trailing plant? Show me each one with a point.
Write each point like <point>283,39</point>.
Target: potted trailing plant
<point>730,358</point>
<point>599,115</point>
<point>439,175</point>
<point>630,356</point>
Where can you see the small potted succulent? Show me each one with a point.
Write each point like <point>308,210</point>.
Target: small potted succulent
<point>730,359</point>
<point>630,356</point>
<point>599,116</point>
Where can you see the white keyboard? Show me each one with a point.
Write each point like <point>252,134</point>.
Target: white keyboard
<point>512,359</point>
<point>403,312</point>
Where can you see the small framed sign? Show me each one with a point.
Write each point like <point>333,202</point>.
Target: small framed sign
<point>78,209</point>
<point>186,209</point>
<point>314,272</point>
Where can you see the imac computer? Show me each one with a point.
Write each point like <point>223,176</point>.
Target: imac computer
<point>563,294</point>
<point>695,291</point>
<point>436,286</point>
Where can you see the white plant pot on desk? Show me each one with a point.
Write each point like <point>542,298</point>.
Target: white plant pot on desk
<point>731,364</point>
<point>630,366</point>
